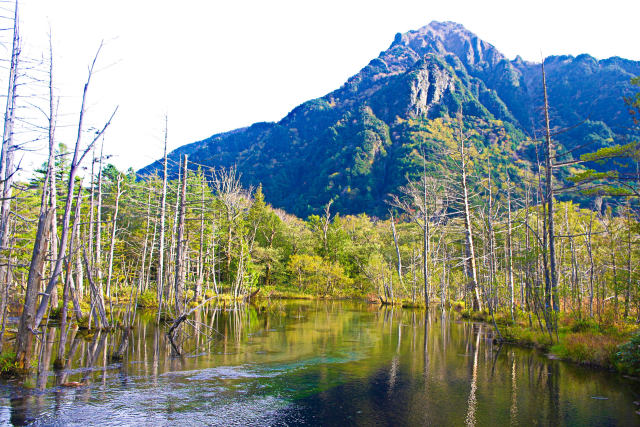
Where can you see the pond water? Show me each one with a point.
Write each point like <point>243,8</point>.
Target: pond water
<point>313,363</point>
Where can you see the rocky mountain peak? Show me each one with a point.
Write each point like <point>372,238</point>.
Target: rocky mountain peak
<point>354,145</point>
<point>442,38</point>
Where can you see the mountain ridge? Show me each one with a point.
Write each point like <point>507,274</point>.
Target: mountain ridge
<point>354,137</point>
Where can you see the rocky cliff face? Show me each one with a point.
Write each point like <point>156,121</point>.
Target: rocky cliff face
<point>442,38</point>
<point>354,145</point>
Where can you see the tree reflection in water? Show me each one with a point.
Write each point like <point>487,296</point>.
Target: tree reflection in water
<point>317,362</point>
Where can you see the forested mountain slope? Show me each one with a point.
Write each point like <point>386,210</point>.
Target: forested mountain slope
<point>359,143</point>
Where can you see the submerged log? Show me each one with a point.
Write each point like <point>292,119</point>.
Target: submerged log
<point>178,320</point>
<point>73,384</point>
<point>248,298</point>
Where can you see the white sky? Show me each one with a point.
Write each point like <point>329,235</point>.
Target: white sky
<point>221,64</point>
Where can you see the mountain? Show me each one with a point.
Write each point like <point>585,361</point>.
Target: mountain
<point>357,144</point>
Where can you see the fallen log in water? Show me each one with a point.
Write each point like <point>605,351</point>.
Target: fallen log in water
<point>248,298</point>
<point>178,320</point>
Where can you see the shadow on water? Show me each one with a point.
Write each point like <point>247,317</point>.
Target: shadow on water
<point>309,363</point>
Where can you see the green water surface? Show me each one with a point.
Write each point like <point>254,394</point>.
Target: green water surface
<point>313,363</point>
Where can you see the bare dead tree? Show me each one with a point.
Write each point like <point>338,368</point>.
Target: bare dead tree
<point>398,256</point>
<point>509,254</point>
<point>97,301</point>
<point>169,289</point>
<point>200,278</point>
<point>552,291</point>
<point>78,156</point>
<point>235,202</point>
<point>67,290</point>
<point>424,202</point>
<point>163,209</point>
<point>7,151</point>
<point>181,243</point>
<point>97,263</point>
<point>470,257</point>
<point>114,229</point>
<point>26,332</point>
<point>143,262</point>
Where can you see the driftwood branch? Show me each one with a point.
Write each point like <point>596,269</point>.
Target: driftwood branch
<point>178,320</point>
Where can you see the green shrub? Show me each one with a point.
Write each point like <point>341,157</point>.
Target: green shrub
<point>8,365</point>
<point>526,336</point>
<point>55,313</point>
<point>147,299</point>
<point>85,306</point>
<point>58,363</point>
<point>628,356</point>
<point>123,293</point>
<point>478,316</point>
<point>588,348</point>
<point>584,325</point>
<point>501,317</point>
<point>408,303</point>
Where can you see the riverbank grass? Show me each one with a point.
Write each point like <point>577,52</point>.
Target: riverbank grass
<point>612,345</point>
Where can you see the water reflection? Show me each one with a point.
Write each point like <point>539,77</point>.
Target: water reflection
<point>327,363</point>
<point>470,420</point>
<point>513,420</point>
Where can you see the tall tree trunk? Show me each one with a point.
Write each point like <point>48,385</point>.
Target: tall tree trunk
<point>591,265</point>
<point>7,152</point>
<point>163,209</point>
<point>240,271</point>
<point>471,260</point>
<point>98,254</point>
<point>92,237</point>
<point>608,221</point>
<point>172,248</point>
<point>181,243</point>
<point>627,293</point>
<point>147,275</point>
<point>114,228</point>
<point>200,278</point>
<point>143,263</point>
<point>574,264</point>
<point>8,149</point>
<point>213,255</point>
<point>66,293</point>
<point>399,257</point>
<point>229,239</point>
<point>551,293</point>
<point>97,299</point>
<point>24,339</point>
<point>53,233</point>
<point>510,253</point>
<point>491,259</point>
<point>413,275</point>
<point>79,270</point>
<point>426,238</point>
<point>75,165</point>
<point>443,289</point>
